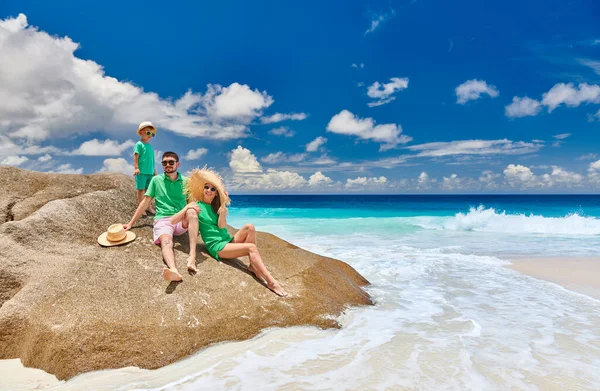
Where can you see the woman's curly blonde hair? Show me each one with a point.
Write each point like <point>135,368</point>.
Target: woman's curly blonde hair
<point>194,187</point>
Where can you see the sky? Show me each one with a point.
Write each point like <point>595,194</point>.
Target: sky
<point>395,96</point>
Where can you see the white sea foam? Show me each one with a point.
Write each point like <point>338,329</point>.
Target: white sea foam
<point>489,220</point>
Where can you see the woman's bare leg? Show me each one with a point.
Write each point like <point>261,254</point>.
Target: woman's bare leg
<point>257,266</point>
<point>190,221</point>
<point>246,234</point>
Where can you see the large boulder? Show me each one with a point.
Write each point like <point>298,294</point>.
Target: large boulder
<point>69,306</point>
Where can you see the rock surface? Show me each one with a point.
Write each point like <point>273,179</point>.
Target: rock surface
<point>69,306</point>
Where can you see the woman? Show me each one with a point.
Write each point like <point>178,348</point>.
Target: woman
<point>206,187</point>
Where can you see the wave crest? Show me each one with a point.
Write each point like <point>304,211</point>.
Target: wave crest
<point>489,220</point>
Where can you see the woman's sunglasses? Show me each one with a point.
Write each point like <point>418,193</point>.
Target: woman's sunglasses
<point>150,134</point>
<point>206,187</point>
<point>169,162</point>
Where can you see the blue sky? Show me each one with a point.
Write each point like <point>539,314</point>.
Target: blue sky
<point>337,96</point>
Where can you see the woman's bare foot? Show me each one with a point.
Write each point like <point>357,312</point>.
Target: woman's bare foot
<point>191,265</point>
<point>277,288</point>
<point>171,275</point>
<point>151,210</point>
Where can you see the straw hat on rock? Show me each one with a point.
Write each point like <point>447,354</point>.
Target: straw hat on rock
<point>195,186</point>
<point>115,235</point>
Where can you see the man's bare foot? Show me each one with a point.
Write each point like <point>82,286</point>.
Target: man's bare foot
<point>277,288</point>
<point>171,275</point>
<point>191,265</point>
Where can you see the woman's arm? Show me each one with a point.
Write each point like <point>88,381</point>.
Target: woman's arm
<point>222,223</point>
<point>179,215</point>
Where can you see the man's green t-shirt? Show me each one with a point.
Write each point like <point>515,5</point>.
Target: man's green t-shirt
<point>169,195</point>
<point>145,157</point>
<point>214,237</point>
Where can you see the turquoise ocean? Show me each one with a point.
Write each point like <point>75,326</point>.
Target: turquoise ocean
<point>448,314</point>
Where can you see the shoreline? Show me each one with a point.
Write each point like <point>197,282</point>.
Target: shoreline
<point>577,274</point>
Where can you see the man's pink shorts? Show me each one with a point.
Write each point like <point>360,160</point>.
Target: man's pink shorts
<point>164,226</point>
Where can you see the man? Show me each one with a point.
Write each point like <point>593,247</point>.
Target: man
<point>168,190</point>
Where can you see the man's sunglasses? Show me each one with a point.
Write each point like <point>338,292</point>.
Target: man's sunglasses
<point>168,162</point>
<point>150,134</point>
<point>206,187</point>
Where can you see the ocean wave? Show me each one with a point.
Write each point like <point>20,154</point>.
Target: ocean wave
<point>484,219</point>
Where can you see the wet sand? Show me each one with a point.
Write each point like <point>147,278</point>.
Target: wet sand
<point>581,275</point>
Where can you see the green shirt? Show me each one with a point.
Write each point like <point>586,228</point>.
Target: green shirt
<point>169,195</point>
<point>145,157</point>
<point>214,237</point>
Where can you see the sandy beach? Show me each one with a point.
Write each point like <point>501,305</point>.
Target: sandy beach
<point>579,274</point>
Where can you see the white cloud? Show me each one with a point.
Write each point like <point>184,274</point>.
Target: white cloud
<point>594,172</point>
<point>13,161</point>
<point>282,131</point>
<point>278,117</point>
<point>453,182</point>
<point>318,179</point>
<point>348,124</point>
<point>383,92</point>
<point>324,160</point>
<point>522,107</point>
<point>488,178</point>
<point>117,165</point>
<point>96,147</point>
<point>44,158</point>
<point>570,95</point>
<point>589,156</point>
<point>195,154</point>
<point>561,136</point>
<point>424,181</point>
<point>9,148</point>
<point>593,65</point>
<point>518,175</point>
<point>594,117</point>
<point>243,161</point>
<point>363,181</point>
<point>474,147</point>
<point>378,19</point>
<point>560,177</point>
<point>279,157</point>
<point>361,65</point>
<point>248,174</point>
<point>559,94</point>
<point>473,89</point>
<point>315,144</point>
<point>559,139</point>
<point>46,91</point>
<point>67,169</point>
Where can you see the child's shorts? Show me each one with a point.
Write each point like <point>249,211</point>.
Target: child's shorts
<point>142,181</point>
<point>164,226</point>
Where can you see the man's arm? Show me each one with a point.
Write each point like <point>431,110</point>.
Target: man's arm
<point>140,209</point>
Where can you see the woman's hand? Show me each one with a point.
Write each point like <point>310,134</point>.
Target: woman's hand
<point>194,206</point>
<point>223,210</point>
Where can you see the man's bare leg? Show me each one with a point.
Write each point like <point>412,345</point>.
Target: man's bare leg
<point>190,221</point>
<point>170,273</point>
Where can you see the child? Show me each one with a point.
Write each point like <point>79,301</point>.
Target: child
<point>143,161</point>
